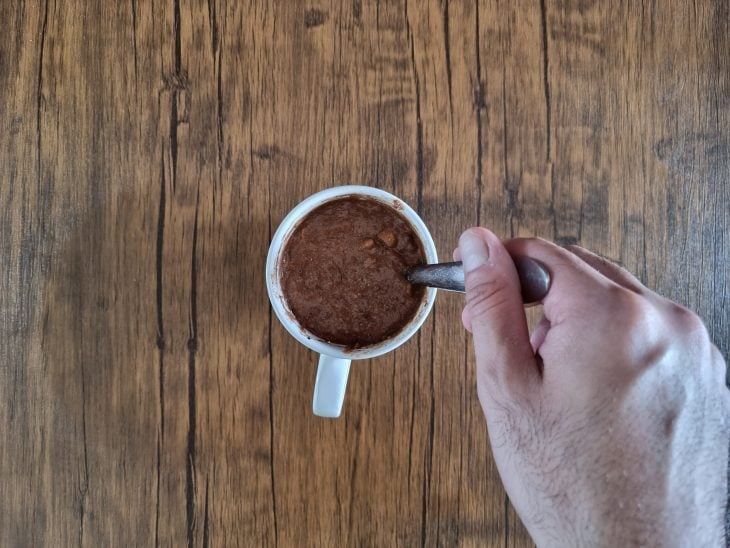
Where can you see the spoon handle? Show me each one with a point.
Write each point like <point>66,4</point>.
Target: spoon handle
<point>534,277</point>
<point>448,276</point>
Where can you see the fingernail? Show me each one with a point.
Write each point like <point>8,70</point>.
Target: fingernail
<point>474,251</point>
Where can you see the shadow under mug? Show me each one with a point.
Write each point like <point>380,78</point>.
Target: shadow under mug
<point>334,360</point>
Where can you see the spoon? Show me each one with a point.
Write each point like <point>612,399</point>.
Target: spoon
<point>534,277</point>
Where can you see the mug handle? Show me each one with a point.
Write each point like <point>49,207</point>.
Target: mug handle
<point>330,385</point>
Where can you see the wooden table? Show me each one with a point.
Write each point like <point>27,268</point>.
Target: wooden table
<point>148,150</point>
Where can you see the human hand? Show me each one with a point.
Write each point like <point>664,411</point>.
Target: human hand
<point>610,425</point>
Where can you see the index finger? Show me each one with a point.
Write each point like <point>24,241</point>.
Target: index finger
<point>573,282</point>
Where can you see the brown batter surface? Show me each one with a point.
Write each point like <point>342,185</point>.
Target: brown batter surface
<point>343,272</point>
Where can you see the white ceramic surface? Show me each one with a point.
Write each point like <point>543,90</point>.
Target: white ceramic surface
<point>331,381</point>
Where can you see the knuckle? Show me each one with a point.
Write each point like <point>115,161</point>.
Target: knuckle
<point>687,330</point>
<point>486,296</point>
<point>652,353</point>
<point>717,357</point>
<point>658,332</point>
<point>646,345</point>
<point>687,321</point>
<point>718,363</point>
<point>627,305</point>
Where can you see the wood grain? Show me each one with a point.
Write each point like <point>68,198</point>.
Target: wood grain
<point>148,150</point>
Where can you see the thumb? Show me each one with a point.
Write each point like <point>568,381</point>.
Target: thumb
<point>504,356</point>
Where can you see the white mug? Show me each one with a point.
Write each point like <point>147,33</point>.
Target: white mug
<point>334,360</point>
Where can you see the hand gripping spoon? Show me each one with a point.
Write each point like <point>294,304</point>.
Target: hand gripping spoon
<point>534,277</point>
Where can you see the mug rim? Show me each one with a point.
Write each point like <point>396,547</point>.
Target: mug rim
<point>276,297</point>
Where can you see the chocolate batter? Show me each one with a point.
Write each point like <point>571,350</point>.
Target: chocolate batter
<point>342,271</point>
